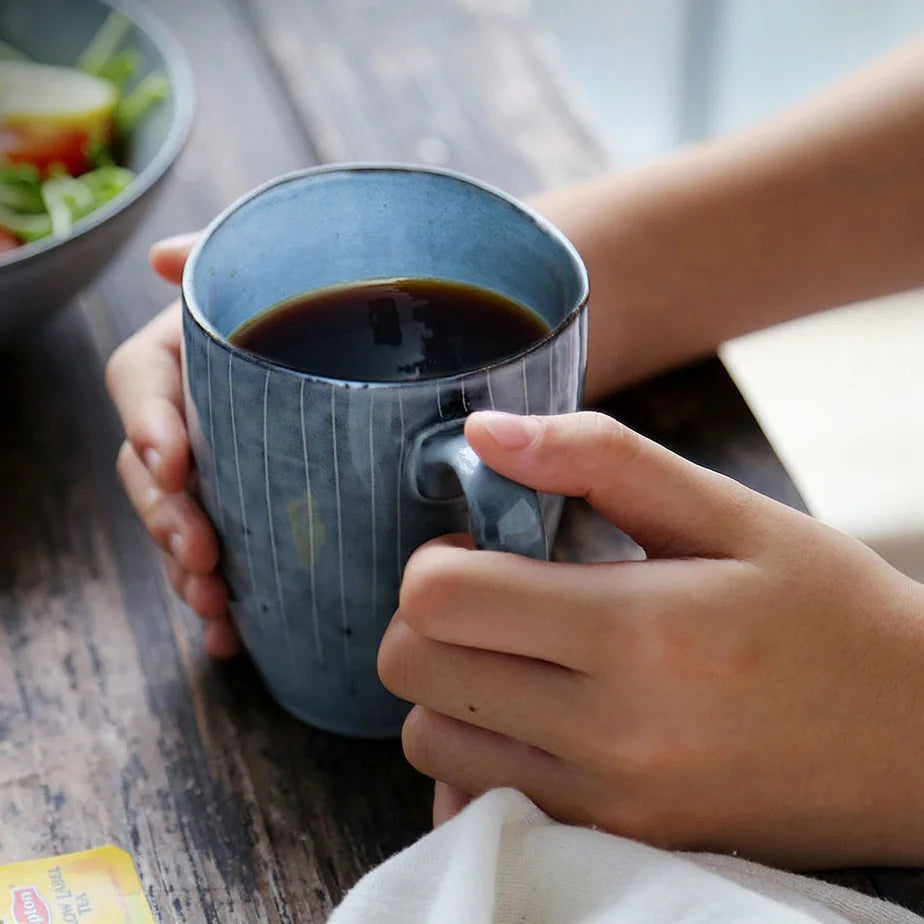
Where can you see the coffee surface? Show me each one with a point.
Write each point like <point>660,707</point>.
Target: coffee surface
<point>391,330</point>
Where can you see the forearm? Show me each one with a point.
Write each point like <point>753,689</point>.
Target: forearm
<point>818,207</point>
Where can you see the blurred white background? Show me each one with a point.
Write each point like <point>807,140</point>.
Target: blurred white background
<point>840,395</point>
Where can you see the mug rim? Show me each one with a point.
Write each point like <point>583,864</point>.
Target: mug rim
<point>192,310</point>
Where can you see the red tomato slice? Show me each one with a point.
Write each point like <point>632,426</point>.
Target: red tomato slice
<point>7,241</point>
<point>44,146</point>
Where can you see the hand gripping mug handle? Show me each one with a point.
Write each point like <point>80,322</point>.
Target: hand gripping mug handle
<point>505,516</point>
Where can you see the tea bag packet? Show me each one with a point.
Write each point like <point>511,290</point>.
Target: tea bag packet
<point>92,887</point>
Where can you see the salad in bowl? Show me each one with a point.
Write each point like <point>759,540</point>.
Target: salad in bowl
<point>96,104</point>
<point>61,130</point>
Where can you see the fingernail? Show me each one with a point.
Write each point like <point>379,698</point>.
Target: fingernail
<point>152,460</point>
<point>175,542</point>
<point>176,242</point>
<point>510,431</point>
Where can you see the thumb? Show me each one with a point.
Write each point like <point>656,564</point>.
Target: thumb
<point>168,257</point>
<point>671,507</point>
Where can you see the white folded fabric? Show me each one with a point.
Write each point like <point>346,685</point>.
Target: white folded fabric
<point>502,860</point>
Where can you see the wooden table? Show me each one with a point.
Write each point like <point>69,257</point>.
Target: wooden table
<point>114,727</point>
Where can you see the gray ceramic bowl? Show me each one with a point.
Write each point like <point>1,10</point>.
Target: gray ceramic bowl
<point>38,278</point>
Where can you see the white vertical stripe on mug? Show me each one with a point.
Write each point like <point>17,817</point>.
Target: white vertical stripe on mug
<point>269,518</point>
<point>333,440</point>
<point>310,502</point>
<point>240,490</point>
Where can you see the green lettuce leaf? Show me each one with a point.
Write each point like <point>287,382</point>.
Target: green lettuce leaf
<point>27,227</point>
<point>21,188</point>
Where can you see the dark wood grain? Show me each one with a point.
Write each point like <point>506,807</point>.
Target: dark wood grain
<point>114,727</point>
<point>459,83</point>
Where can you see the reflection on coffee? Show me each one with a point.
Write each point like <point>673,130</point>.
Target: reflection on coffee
<point>389,330</point>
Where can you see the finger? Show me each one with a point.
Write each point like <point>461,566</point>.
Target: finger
<point>205,594</point>
<point>474,761</point>
<point>176,574</point>
<point>144,379</point>
<point>532,701</point>
<point>591,619</point>
<point>670,506</point>
<point>168,257</point>
<point>222,640</point>
<point>175,521</point>
<point>556,612</point>
<point>447,802</point>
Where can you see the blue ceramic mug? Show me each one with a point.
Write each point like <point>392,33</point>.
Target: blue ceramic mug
<point>322,488</point>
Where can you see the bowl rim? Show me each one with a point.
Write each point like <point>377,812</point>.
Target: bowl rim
<point>192,310</point>
<point>182,88</point>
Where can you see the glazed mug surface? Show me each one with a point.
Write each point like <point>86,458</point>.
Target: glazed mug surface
<point>321,488</point>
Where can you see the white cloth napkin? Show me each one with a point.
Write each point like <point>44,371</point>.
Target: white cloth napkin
<point>502,860</point>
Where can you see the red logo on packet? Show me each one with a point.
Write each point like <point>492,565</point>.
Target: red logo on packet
<point>29,907</point>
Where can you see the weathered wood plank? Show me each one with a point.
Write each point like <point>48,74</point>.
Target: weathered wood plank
<point>460,83</point>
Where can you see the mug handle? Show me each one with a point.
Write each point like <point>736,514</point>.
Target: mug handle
<point>505,515</point>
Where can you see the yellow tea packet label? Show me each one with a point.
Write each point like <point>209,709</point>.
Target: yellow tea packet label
<point>91,887</point>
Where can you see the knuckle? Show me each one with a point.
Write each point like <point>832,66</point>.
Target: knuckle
<point>153,508</point>
<point>614,441</point>
<point>157,514</point>
<point>114,366</point>
<point>743,506</point>
<point>618,442</point>
<point>394,660</point>
<point>175,575</point>
<point>642,757</point>
<point>190,517</point>
<point>747,516</point>
<point>605,642</point>
<point>124,460</point>
<point>637,758</point>
<point>434,577</point>
<point>648,647</point>
<point>156,509</point>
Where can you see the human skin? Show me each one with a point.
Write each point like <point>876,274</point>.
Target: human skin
<point>755,685</point>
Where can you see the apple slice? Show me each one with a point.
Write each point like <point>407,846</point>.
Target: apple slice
<point>52,115</point>
<point>33,93</point>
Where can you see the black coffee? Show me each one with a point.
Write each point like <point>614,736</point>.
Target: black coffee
<point>390,330</point>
